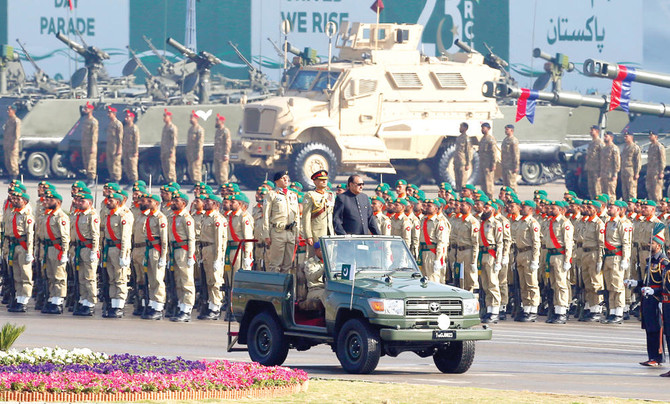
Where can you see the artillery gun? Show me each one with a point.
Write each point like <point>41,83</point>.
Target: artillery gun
<point>93,58</point>
<point>204,62</point>
<point>606,70</point>
<point>158,87</point>
<point>258,81</point>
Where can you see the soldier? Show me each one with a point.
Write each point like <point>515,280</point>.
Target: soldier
<point>169,148</point>
<point>118,227</point>
<point>182,239</point>
<point>222,144</point>
<point>281,222</point>
<point>89,143</point>
<point>655,167</point>
<point>592,163</point>
<point>462,154</point>
<point>57,242</point>
<point>416,226</point>
<point>313,270</point>
<point>401,225</point>
<point>630,167</point>
<point>618,236</point>
<point>503,281</point>
<point>558,242</point>
<point>131,145</point>
<point>317,212</point>
<point>525,231</point>
<point>213,240</point>
<point>510,158</point>
<point>257,214</point>
<point>490,257</point>
<point>610,164</point>
<point>11,142</point>
<point>20,226</point>
<point>468,246</point>
<point>155,255</point>
<point>487,159</point>
<point>643,232</point>
<point>194,151</point>
<point>435,232</point>
<point>85,230</point>
<point>591,233</point>
<point>401,189</point>
<point>138,254</point>
<point>383,221</point>
<point>241,227</point>
<point>166,192</point>
<point>114,145</point>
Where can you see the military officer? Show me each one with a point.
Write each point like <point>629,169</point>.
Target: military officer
<point>643,232</point>
<point>655,167</point>
<point>155,255</point>
<point>487,159</point>
<point>169,140</point>
<point>140,210</point>
<point>257,214</point>
<point>240,227</point>
<point>194,149</point>
<point>118,227</point>
<point>510,158</point>
<point>435,232</point>
<point>525,231</point>
<point>166,192</point>
<point>222,144</point>
<point>213,240</point>
<point>11,142</point>
<point>131,144</point>
<point>114,145</point>
<point>313,269</point>
<point>19,224</point>
<point>317,211</point>
<point>401,225</point>
<point>468,246</point>
<point>503,281</point>
<point>57,241</point>
<point>630,167</point>
<point>383,221</point>
<point>610,164</point>
<point>462,155</point>
<point>416,226</point>
<point>618,235</point>
<point>592,164</point>
<point>592,239</point>
<point>89,143</point>
<point>558,242</point>
<point>281,221</point>
<point>182,239</point>
<point>490,257</point>
<point>85,231</point>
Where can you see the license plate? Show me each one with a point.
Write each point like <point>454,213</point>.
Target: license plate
<point>444,334</point>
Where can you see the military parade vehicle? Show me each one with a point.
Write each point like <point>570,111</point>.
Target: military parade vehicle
<point>376,302</point>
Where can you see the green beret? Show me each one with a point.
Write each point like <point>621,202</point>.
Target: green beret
<point>516,200</point>
<point>140,183</point>
<point>528,203</point>
<point>21,186</point>
<point>124,193</point>
<point>199,185</point>
<point>632,200</point>
<point>412,200</point>
<point>483,198</point>
<point>78,184</point>
<point>597,204</point>
<point>342,186</point>
<point>25,196</point>
<point>470,187</point>
<point>214,198</point>
<point>621,204</point>
<point>240,197</point>
<point>85,189</point>
<point>378,199</point>
<point>173,185</point>
<point>401,201</point>
<point>117,196</point>
<point>209,189</point>
<point>295,184</point>
<point>392,194</point>
<point>433,201</point>
<point>181,195</point>
<point>139,188</point>
<point>576,201</point>
<point>500,203</point>
<point>150,196</point>
<point>467,200</point>
<point>112,185</point>
<point>329,185</point>
<point>421,194</point>
<point>604,198</point>
<point>300,198</point>
<point>442,201</point>
<point>53,194</point>
<point>83,195</point>
<point>269,183</point>
<point>234,187</point>
<point>570,193</point>
<point>648,202</point>
<point>413,186</point>
<point>400,182</point>
<point>507,190</point>
<point>445,186</point>
<point>382,187</point>
<point>45,184</point>
<point>261,190</point>
<point>167,189</point>
<point>540,192</point>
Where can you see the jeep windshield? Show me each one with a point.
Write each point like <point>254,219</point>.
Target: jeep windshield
<point>313,80</point>
<point>368,257</point>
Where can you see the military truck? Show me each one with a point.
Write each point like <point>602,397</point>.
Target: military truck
<point>376,303</point>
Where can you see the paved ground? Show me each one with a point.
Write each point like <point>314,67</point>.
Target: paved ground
<point>573,358</point>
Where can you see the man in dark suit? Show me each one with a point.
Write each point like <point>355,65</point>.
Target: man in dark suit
<point>353,213</point>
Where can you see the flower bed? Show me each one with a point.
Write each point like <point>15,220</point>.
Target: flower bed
<point>59,374</point>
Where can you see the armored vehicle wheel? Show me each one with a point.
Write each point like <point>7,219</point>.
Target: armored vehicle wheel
<point>358,347</point>
<point>443,167</point>
<point>37,164</point>
<point>266,341</point>
<point>57,167</point>
<point>309,158</point>
<point>456,357</point>
<point>531,172</point>
<point>249,176</point>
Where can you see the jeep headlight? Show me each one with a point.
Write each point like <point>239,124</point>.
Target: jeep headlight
<point>470,307</point>
<point>394,307</point>
<point>287,131</point>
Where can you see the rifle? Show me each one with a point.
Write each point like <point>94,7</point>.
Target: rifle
<point>547,292</point>
<point>42,284</point>
<point>580,294</point>
<point>77,294</point>
<point>516,293</point>
<point>104,281</point>
<point>8,270</point>
<point>201,302</point>
<point>172,300</point>
<point>71,284</point>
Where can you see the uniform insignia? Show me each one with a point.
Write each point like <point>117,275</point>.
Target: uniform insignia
<point>507,225</point>
<point>29,221</point>
<point>388,226</point>
<point>123,222</point>
<point>416,227</point>
<point>63,223</point>
<point>407,229</point>
<point>441,228</point>
<point>188,223</point>
<point>476,229</point>
<point>95,220</point>
<point>218,224</point>
<point>246,222</point>
<point>162,225</point>
<point>602,231</point>
<point>499,228</point>
<point>567,227</point>
<point>535,229</point>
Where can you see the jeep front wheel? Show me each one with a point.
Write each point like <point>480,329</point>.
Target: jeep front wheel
<point>309,158</point>
<point>358,347</point>
<point>456,357</point>
<point>266,341</point>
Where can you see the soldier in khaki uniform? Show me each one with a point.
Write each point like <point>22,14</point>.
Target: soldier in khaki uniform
<point>194,149</point>
<point>313,270</point>
<point>468,246</point>
<point>317,211</point>
<point>655,167</point>
<point>618,240</point>
<point>138,253</point>
<point>117,232</point>
<point>415,236</point>
<point>462,154</point>
<point>240,227</point>
<point>114,145</point>
<point>85,232</point>
<point>487,159</point>
<point>592,164</point>
<point>257,214</point>
<point>525,232</point>
<point>643,232</point>
<point>182,239</point>
<point>490,257</point>
<point>19,225</point>
<point>155,232</point>
<point>89,143</point>
<point>435,233</point>
<point>401,225</point>
<point>213,239</point>
<point>503,281</point>
<point>383,221</point>
<point>610,164</point>
<point>222,144</point>
<point>131,145</point>
<point>11,142</point>
<point>558,242</point>
<point>510,158</point>
<point>169,139</point>
<point>57,240</point>
<point>592,236</point>
<point>630,167</point>
<point>281,223</point>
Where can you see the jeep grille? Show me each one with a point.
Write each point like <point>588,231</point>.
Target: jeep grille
<point>428,307</point>
<point>260,121</point>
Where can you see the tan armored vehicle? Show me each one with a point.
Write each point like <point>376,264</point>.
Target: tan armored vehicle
<point>380,107</point>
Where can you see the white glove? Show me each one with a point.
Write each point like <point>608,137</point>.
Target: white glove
<point>248,262</point>
<point>625,264</point>
<point>29,258</point>
<point>630,283</point>
<point>124,262</point>
<point>599,267</point>
<point>566,266</point>
<point>497,268</point>
<point>94,256</point>
<point>436,266</point>
<point>63,259</point>
<point>505,260</point>
<point>534,266</point>
<point>218,265</point>
<point>190,263</point>
<point>161,263</point>
<point>647,291</point>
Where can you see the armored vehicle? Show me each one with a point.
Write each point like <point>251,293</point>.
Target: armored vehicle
<point>376,302</point>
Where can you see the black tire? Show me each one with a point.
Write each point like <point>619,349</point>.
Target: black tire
<point>57,167</point>
<point>38,164</point>
<point>457,357</point>
<point>249,176</point>
<point>443,161</point>
<point>149,166</point>
<point>358,346</point>
<point>266,341</point>
<point>308,158</point>
<point>531,172</point>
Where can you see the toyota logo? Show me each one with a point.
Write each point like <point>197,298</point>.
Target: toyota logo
<point>434,307</point>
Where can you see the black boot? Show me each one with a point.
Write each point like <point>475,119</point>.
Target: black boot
<point>152,314</point>
<point>181,317</point>
<point>83,311</point>
<point>17,308</point>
